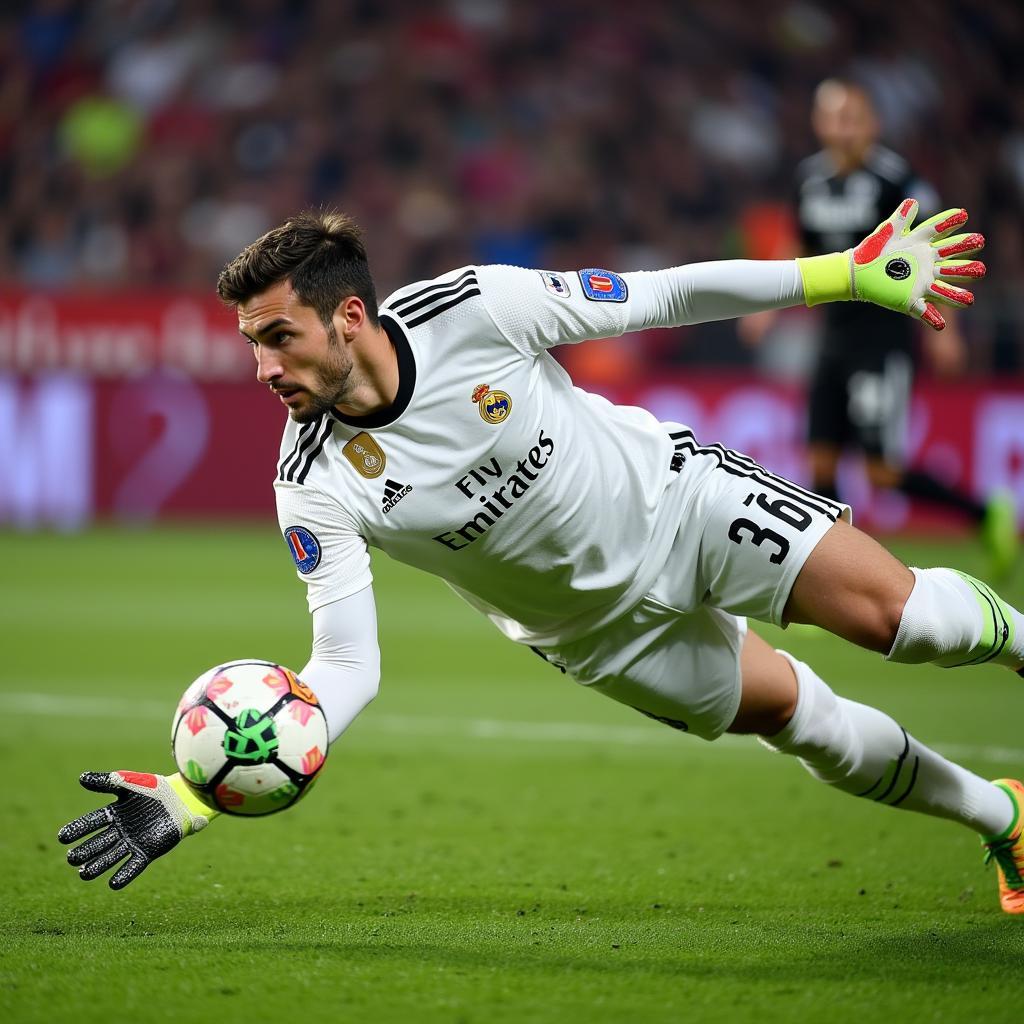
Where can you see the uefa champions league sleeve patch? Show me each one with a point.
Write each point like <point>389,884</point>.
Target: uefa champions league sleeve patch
<point>603,286</point>
<point>304,548</point>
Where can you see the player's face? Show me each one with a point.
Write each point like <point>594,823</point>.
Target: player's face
<point>297,357</point>
<point>844,121</point>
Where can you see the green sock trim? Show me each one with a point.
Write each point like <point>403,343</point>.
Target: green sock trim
<point>1008,831</point>
<point>997,633</point>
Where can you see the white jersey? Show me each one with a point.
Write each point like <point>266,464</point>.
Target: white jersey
<point>544,506</point>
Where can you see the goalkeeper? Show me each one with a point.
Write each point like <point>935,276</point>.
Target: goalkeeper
<point>624,550</point>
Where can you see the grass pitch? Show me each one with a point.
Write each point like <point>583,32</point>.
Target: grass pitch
<point>489,842</point>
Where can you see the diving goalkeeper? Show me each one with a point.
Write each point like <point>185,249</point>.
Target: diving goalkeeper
<point>628,552</point>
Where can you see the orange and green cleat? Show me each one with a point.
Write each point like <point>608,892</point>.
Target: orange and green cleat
<point>1007,850</point>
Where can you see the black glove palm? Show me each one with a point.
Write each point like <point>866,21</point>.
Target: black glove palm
<point>149,818</point>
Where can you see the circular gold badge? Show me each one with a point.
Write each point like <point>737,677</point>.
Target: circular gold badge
<point>495,406</point>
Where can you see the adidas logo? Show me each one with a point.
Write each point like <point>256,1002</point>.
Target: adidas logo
<point>394,492</point>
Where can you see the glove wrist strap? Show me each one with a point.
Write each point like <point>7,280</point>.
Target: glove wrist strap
<point>192,803</point>
<point>826,278</point>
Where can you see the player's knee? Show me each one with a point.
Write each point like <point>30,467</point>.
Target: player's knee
<point>880,622</point>
<point>778,717</point>
<point>769,693</point>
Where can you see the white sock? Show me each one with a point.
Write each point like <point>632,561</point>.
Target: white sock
<point>953,619</point>
<point>864,752</point>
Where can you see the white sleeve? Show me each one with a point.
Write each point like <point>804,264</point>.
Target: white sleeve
<point>344,666</point>
<point>538,309</point>
<point>330,554</point>
<point>701,292</point>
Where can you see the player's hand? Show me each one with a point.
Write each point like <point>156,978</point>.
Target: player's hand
<point>151,815</point>
<point>908,269</point>
<point>901,267</point>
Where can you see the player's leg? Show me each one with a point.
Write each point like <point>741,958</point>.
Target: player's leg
<point>995,519</point>
<point>768,549</point>
<point>823,461</point>
<point>862,751</point>
<point>885,474</point>
<point>761,546</point>
<point>878,404</point>
<point>851,586</point>
<point>828,426</point>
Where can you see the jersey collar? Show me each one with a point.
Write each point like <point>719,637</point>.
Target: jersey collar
<point>406,382</point>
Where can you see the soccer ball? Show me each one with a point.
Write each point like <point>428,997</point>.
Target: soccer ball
<point>249,738</point>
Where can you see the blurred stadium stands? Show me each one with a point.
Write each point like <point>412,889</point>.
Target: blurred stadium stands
<point>143,142</point>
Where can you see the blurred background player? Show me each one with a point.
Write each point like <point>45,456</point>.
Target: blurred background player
<point>859,392</point>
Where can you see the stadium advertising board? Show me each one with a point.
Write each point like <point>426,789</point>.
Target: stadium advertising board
<point>141,406</point>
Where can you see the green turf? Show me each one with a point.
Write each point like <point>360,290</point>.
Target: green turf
<point>489,842</point>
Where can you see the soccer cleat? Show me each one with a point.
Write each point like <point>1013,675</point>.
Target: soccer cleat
<point>1007,850</point>
<point>999,534</point>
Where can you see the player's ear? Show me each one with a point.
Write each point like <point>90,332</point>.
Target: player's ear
<point>350,316</point>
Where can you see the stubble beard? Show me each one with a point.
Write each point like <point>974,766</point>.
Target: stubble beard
<point>331,382</point>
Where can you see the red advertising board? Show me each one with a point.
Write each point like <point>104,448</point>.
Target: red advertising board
<point>73,448</point>
<point>121,334</point>
<point>144,405</point>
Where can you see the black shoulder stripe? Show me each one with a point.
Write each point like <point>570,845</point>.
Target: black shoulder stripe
<point>305,436</point>
<point>405,304</point>
<point>435,297</point>
<point>431,313</point>
<point>315,450</point>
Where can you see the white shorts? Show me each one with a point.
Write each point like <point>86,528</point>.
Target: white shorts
<point>744,534</point>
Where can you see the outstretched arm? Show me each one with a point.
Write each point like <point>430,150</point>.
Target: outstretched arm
<point>153,813</point>
<point>898,266</point>
<point>701,292</point>
<point>901,267</point>
<point>344,666</point>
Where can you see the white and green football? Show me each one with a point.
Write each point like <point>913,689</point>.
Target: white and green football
<point>249,737</point>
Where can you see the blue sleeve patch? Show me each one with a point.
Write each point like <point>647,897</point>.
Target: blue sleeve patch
<point>304,548</point>
<point>603,286</point>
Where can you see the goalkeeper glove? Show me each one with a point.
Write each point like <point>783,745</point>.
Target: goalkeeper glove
<point>900,267</point>
<point>151,815</point>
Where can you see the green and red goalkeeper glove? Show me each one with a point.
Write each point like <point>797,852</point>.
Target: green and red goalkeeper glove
<point>901,267</point>
<point>151,815</point>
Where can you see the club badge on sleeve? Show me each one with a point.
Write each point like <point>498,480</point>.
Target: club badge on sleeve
<point>304,548</point>
<point>603,286</point>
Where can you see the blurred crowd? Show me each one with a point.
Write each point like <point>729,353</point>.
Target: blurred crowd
<point>143,142</point>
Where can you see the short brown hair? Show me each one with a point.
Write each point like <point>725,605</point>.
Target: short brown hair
<point>320,252</point>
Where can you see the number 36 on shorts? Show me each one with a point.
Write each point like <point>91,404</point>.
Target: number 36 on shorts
<point>745,530</point>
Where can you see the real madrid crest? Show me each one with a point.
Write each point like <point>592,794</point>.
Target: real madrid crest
<point>494,406</point>
<point>366,455</point>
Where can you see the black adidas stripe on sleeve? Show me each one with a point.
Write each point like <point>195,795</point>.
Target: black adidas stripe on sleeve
<point>305,438</point>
